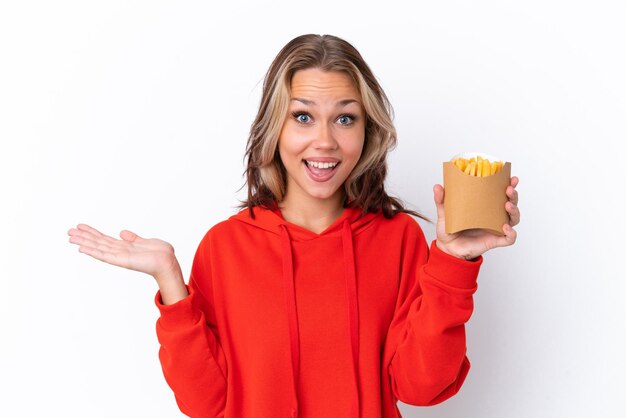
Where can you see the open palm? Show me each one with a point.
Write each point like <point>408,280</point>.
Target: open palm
<point>152,256</point>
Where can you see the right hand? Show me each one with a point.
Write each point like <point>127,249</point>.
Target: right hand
<point>151,256</point>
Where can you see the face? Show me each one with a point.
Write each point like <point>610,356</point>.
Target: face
<point>322,138</point>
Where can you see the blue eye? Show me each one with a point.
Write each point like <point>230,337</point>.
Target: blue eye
<point>346,119</point>
<point>301,117</point>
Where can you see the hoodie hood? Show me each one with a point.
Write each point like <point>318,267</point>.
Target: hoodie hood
<point>350,223</point>
<point>273,221</point>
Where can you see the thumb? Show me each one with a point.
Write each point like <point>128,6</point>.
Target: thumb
<point>127,235</point>
<point>510,235</point>
<point>439,196</point>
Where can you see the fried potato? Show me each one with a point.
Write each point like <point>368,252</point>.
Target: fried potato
<point>477,166</point>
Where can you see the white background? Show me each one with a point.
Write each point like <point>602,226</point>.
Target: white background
<point>127,114</point>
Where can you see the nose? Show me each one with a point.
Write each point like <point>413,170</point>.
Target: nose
<point>324,137</point>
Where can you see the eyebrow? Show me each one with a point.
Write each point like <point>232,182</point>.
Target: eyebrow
<point>343,102</point>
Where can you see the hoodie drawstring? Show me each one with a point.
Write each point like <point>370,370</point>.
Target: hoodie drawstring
<point>353,312</point>
<point>290,302</point>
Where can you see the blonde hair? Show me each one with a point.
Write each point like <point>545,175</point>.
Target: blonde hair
<point>265,172</point>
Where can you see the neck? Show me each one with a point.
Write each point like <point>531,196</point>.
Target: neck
<point>310,213</point>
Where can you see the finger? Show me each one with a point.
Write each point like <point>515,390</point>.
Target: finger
<point>127,235</point>
<point>512,195</point>
<point>88,242</point>
<point>514,181</point>
<point>112,255</point>
<point>99,254</point>
<point>439,193</point>
<point>514,213</point>
<point>82,233</point>
<point>86,230</point>
<point>85,227</point>
<point>509,238</point>
<point>96,240</point>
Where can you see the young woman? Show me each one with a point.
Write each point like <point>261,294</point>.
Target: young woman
<point>321,297</point>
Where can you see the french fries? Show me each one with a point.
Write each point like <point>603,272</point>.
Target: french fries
<point>477,166</point>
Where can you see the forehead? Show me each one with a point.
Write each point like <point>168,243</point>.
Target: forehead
<point>328,85</point>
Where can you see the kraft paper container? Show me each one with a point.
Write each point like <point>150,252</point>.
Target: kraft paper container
<point>475,202</point>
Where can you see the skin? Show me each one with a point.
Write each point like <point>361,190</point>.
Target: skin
<point>325,131</point>
<point>148,255</point>
<point>325,125</point>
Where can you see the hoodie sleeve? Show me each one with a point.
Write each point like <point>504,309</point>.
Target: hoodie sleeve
<point>427,333</point>
<point>191,356</point>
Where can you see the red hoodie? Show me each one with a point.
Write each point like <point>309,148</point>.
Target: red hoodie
<point>284,322</point>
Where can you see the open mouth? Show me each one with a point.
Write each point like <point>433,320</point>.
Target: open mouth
<point>321,171</point>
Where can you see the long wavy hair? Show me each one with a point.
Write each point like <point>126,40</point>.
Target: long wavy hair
<point>265,173</point>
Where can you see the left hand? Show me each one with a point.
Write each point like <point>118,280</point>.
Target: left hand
<point>472,243</point>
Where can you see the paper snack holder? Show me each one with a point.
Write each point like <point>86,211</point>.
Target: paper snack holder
<point>475,202</point>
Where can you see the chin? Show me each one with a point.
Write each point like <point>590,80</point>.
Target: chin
<point>323,195</point>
